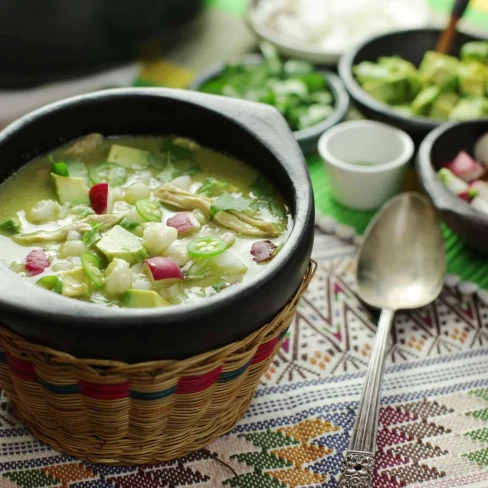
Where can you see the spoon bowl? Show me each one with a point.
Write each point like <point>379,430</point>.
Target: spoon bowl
<point>401,261</point>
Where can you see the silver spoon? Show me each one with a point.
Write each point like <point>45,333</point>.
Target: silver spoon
<point>400,266</point>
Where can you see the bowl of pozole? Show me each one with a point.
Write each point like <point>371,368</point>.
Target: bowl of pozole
<point>174,222</point>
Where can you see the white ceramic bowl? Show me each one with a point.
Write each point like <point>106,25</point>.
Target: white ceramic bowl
<point>387,152</point>
<point>296,48</point>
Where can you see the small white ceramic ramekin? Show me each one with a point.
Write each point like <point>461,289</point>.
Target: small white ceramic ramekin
<point>365,186</point>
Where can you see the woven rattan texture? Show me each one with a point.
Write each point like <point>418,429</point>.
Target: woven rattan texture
<point>117,413</point>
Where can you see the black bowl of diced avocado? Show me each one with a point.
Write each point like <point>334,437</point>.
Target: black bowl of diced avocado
<point>311,100</point>
<point>397,78</point>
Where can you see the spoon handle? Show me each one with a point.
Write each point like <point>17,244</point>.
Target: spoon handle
<point>358,466</point>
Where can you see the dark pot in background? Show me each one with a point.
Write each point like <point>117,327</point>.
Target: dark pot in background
<point>254,133</point>
<point>44,40</point>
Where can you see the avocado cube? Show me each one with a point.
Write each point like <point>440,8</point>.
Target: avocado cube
<point>469,109</point>
<point>475,51</point>
<point>424,100</point>
<point>396,65</point>
<point>443,106</point>
<point>369,71</point>
<point>119,243</point>
<point>440,70</point>
<point>74,283</point>
<point>393,91</point>
<point>129,156</point>
<point>142,299</point>
<point>71,190</point>
<point>473,77</point>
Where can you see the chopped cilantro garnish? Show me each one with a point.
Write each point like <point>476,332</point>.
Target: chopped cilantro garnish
<point>92,236</point>
<point>228,202</point>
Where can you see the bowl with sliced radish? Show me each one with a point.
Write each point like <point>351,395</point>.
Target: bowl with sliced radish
<point>452,165</point>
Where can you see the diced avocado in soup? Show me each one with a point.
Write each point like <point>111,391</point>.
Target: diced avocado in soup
<point>139,222</point>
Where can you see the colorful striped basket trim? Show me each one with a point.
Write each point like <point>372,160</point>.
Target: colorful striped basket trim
<point>69,389</point>
<point>197,383</point>
<point>101,391</point>
<point>20,368</point>
<point>156,395</point>
<point>232,375</point>
<point>192,384</point>
<point>265,350</point>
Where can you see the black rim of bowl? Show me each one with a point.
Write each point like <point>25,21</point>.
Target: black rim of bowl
<point>358,94</point>
<point>442,198</point>
<point>339,92</point>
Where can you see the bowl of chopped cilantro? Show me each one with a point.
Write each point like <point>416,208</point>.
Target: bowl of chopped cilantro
<point>311,100</point>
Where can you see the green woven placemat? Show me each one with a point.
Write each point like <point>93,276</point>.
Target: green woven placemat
<point>462,261</point>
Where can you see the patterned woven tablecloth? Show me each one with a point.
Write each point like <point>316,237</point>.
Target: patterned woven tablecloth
<point>433,432</point>
<point>433,421</point>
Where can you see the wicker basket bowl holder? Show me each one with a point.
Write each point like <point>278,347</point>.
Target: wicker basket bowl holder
<point>116,413</point>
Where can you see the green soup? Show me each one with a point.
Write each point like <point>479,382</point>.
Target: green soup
<point>139,221</point>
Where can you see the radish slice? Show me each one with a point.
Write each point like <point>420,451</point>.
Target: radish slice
<point>101,198</point>
<point>479,204</point>
<point>481,149</point>
<point>184,223</point>
<point>36,262</point>
<point>453,183</point>
<point>163,270</point>
<point>465,167</point>
<point>263,251</point>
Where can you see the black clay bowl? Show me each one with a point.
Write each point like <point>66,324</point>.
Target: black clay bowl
<point>408,44</point>
<point>252,132</point>
<point>306,138</point>
<point>440,146</point>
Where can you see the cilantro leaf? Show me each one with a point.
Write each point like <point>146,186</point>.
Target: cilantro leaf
<point>267,197</point>
<point>176,151</point>
<point>262,188</point>
<point>219,286</point>
<point>92,236</point>
<point>128,224</point>
<point>228,202</point>
<point>214,187</point>
<point>173,169</point>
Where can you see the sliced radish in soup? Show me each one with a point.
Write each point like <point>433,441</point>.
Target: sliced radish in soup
<point>163,270</point>
<point>36,262</point>
<point>101,198</point>
<point>263,251</point>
